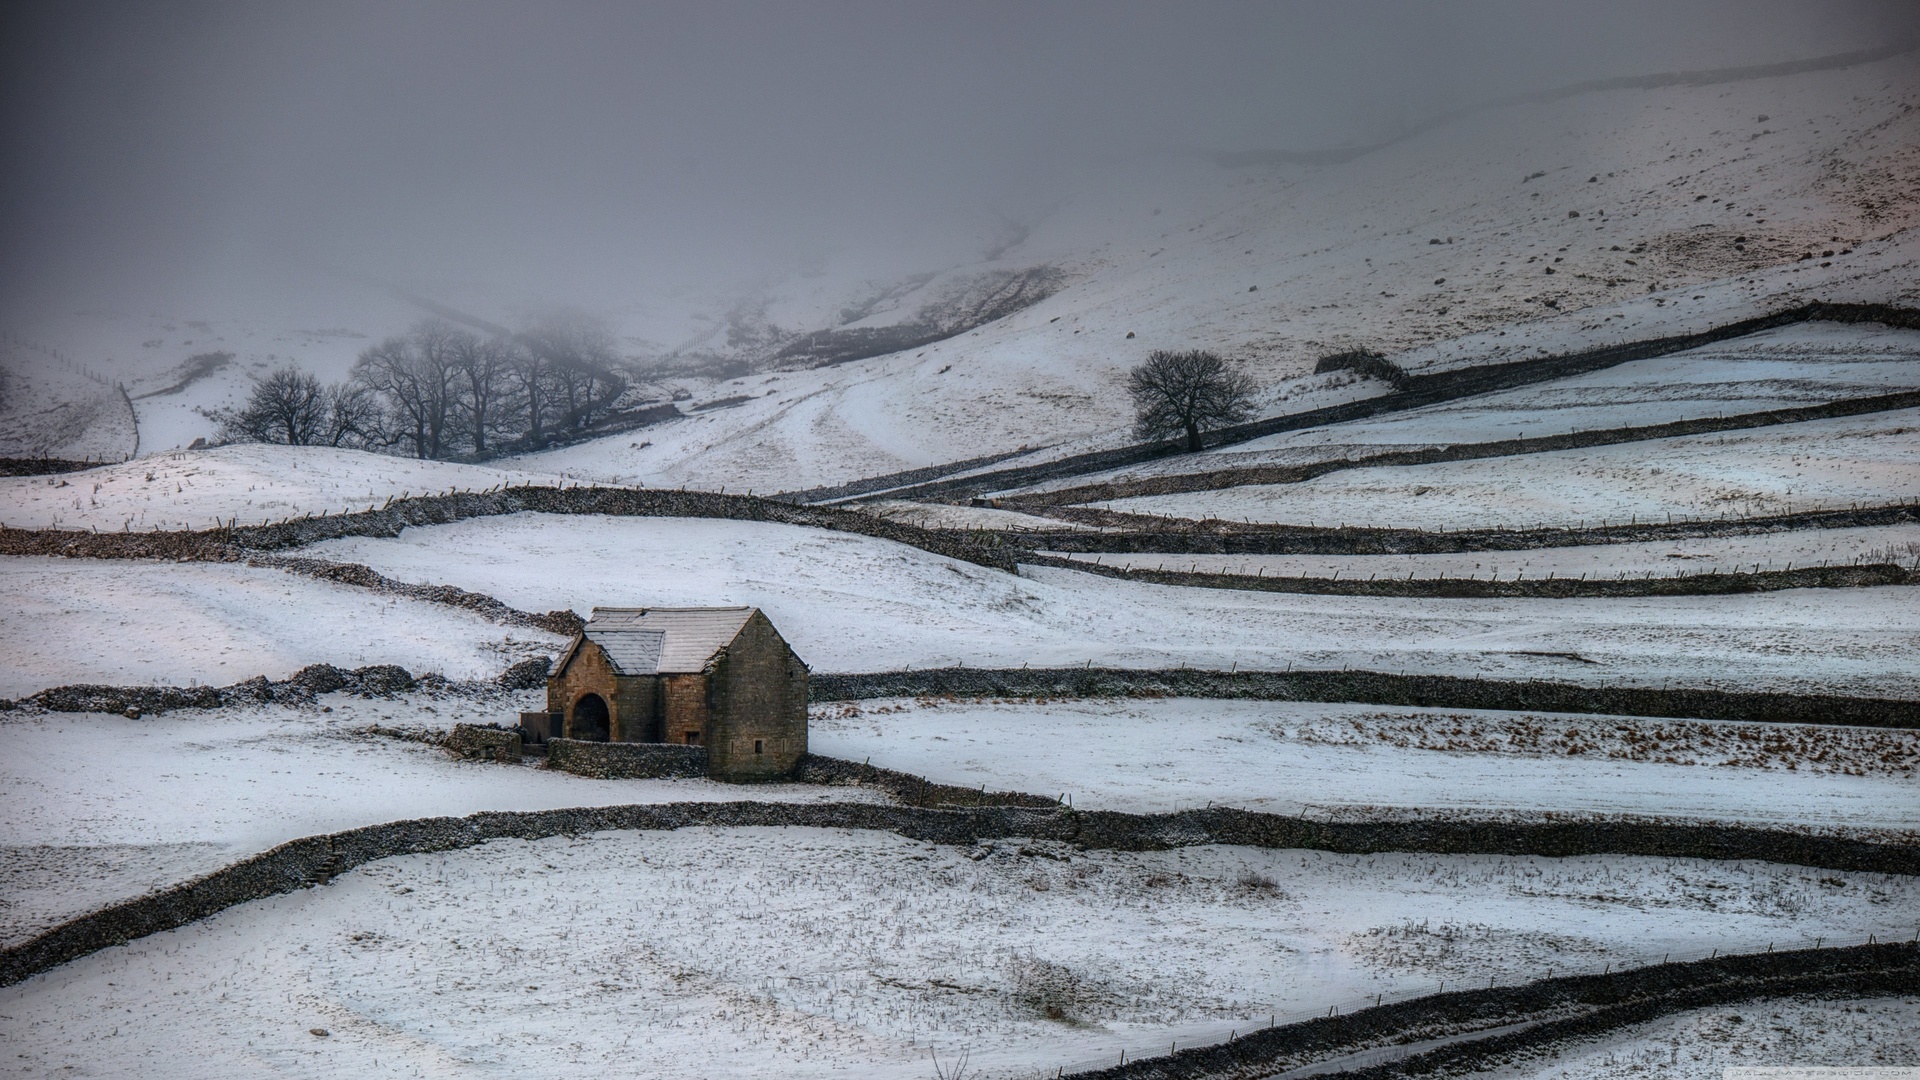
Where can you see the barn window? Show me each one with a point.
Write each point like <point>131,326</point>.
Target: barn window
<point>759,746</point>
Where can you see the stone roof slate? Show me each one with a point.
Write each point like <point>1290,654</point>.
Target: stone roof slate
<point>664,641</point>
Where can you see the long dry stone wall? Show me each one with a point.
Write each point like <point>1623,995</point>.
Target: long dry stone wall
<point>1372,688</point>
<point>241,541</point>
<point>1218,479</point>
<point>1412,391</point>
<point>316,860</point>
<point>1358,687</point>
<point>301,688</point>
<point>1556,1010</point>
<point>1705,584</point>
<point>1140,534</point>
<point>14,466</point>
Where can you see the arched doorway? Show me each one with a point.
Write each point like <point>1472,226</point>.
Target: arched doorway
<point>590,720</point>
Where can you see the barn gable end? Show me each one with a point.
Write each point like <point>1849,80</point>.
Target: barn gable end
<point>722,678</point>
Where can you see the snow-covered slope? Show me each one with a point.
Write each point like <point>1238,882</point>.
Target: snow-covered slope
<point>851,603</point>
<point>103,808</point>
<point>243,484</point>
<point>1505,232</point>
<point>129,622</point>
<point>1315,758</point>
<point>1815,465</point>
<point>756,952</point>
<point>1597,218</point>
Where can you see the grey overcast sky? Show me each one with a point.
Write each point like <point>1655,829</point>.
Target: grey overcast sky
<point>186,152</point>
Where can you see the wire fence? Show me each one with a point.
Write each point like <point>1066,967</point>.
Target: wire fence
<point>1146,1045</point>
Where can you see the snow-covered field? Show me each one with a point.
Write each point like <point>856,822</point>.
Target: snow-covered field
<point>50,408</point>
<point>1819,464</point>
<point>1346,256</point>
<point>1898,544</point>
<point>850,603</point>
<point>746,952</point>
<point>246,484</point>
<point>1878,1033</point>
<point>1319,759</point>
<point>133,622</point>
<point>1777,369</point>
<point>102,808</point>
<point>1785,368</point>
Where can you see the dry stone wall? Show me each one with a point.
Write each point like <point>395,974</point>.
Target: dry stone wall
<point>1373,688</point>
<point>315,860</point>
<point>1708,584</point>
<point>1150,535</point>
<point>1218,479</point>
<point>1415,390</point>
<point>626,760</point>
<point>1559,1009</point>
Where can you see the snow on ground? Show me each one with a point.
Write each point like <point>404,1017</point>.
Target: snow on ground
<point>751,952</point>
<point>51,406</point>
<point>1785,368</point>
<point>1435,250</point>
<point>1702,1045</point>
<point>1317,759</point>
<point>180,370</point>
<point>66,621</point>
<point>931,515</point>
<point>248,484</point>
<point>1898,544</point>
<point>101,808</point>
<point>851,603</point>
<point>1819,464</point>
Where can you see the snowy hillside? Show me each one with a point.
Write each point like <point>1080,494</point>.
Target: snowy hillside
<point>241,484</point>
<point>1508,231</point>
<point>1597,218</point>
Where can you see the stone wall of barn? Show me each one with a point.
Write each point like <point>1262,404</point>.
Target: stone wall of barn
<point>588,673</point>
<point>686,698</point>
<point>758,724</point>
<point>637,709</point>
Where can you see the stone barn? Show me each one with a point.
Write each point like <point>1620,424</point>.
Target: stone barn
<point>719,678</point>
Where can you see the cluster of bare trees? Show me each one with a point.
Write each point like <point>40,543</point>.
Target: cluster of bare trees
<point>442,391</point>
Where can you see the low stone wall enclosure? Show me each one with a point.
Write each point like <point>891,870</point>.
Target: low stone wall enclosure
<point>626,760</point>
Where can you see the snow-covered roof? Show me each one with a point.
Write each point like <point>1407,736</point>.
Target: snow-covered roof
<point>664,641</point>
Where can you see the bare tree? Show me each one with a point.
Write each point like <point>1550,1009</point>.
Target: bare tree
<point>415,376</point>
<point>352,416</point>
<point>288,406</point>
<point>1186,393</point>
<point>527,370</point>
<point>578,352</point>
<point>482,367</point>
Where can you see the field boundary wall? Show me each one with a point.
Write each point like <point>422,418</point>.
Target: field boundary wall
<point>315,860</point>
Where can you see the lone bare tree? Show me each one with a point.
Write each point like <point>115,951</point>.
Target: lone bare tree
<point>1186,393</point>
